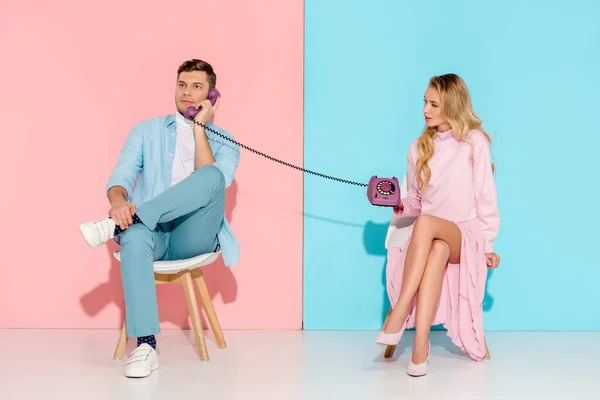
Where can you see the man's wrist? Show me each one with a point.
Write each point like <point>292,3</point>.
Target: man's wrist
<point>199,124</point>
<point>117,195</point>
<point>117,201</point>
<point>199,131</point>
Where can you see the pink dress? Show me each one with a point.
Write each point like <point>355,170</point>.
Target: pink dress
<point>461,190</point>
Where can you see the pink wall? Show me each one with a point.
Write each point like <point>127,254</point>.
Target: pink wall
<point>78,76</point>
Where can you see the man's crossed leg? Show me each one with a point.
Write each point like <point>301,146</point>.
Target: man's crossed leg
<point>181,222</point>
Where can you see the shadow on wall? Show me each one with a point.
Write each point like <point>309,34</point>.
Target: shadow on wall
<point>172,305</point>
<point>374,242</point>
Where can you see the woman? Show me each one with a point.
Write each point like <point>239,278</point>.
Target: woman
<point>438,275</point>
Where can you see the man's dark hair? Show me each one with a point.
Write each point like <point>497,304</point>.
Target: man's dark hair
<point>199,65</point>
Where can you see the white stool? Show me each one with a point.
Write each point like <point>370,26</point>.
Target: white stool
<point>184,272</point>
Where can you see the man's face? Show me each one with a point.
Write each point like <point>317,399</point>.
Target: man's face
<point>192,88</point>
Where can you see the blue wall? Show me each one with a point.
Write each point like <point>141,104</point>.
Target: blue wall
<point>534,74</point>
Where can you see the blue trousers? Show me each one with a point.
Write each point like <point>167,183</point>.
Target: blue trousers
<point>181,222</point>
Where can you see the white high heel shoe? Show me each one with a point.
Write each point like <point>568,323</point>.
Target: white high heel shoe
<point>419,369</point>
<point>391,339</point>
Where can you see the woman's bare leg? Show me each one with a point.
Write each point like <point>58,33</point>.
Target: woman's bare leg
<point>427,229</point>
<point>428,296</point>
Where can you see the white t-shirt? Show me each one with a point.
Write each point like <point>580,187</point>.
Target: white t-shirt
<point>184,158</point>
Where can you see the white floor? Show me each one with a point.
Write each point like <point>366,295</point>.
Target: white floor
<point>77,364</point>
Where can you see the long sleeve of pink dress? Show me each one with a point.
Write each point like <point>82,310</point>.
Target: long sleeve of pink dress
<point>461,190</point>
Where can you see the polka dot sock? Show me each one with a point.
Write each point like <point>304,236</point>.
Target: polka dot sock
<point>135,219</point>
<point>151,340</point>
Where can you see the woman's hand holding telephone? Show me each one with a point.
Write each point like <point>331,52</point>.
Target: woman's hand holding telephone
<point>400,207</point>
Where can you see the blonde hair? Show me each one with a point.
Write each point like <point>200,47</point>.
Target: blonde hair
<point>456,108</point>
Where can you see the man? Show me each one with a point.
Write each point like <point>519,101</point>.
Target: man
<point>178,207</point>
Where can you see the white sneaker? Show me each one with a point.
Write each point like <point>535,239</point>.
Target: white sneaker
<point>98,232</point>
<point>142,361</point>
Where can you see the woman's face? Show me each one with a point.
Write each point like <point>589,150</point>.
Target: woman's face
<point>432,110</point>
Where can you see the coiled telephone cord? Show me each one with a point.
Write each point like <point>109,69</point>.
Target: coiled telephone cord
<point>280,161</point>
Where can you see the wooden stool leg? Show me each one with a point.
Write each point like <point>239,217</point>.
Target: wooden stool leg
<point>209,309</point>
<point>389,350</point>
<point>188,287</point>
<point>487,351</point>
<point>122,343</point>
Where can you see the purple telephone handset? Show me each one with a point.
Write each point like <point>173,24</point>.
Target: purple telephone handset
<point>191,112</point>
<point>384,191</point>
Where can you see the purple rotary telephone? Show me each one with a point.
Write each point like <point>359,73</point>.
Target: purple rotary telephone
<point>191,112</point>
<point>383,191</point>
